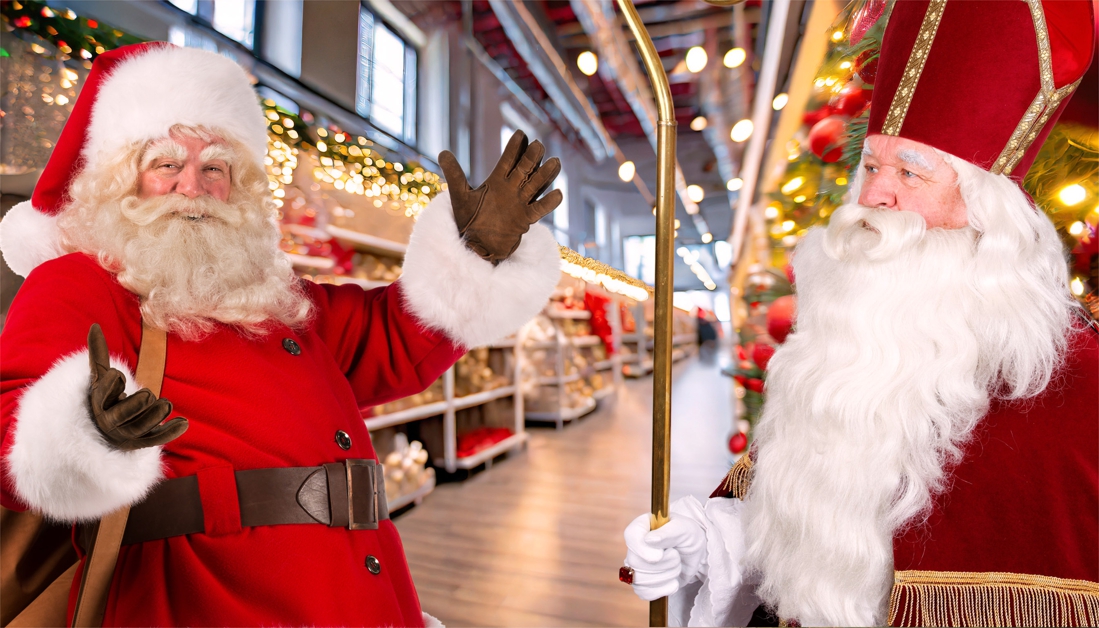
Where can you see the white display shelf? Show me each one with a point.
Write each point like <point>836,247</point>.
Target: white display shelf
<point>368,241</point>
<point>643,369</point>
<point>629,359</point>
<point>603,365</point>
<point>311,261</point>
<point>415,496</point>
<point>585,341</point>
<point>404,416</point>
<point>366,284</point>
<point>554,380</point>
<point>603,393</point>
<point>632,337</point>
<point>486,396</point>
<point>564,414</point>
<point>572,314</point>
<point>486,455</point>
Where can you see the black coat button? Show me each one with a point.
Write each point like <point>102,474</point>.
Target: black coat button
<point>343,440</point>
<point>373,566</point>
<point>291,347</point>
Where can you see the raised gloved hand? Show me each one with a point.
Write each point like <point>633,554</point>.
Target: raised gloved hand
<point>494,217</point>
<point>665,559</point>
<point>128,422</point>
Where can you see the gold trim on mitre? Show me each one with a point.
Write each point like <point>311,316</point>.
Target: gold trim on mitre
<point>1044,104</point>
<point>970,598</point>
<point>898,109</point>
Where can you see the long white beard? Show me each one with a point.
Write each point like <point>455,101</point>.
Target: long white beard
<point>196,262</point>
<point>902,338</point>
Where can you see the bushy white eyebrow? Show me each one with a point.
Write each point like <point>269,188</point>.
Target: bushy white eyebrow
<point>915,158</point>
<point>866,152</point>
<point>164,149</point>
<point>217,151</point>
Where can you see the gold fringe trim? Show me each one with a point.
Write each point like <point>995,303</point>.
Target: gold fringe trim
<point>898,109</point>
<point>596,266</point>
<point>739,477</point>
<point>963,598</point>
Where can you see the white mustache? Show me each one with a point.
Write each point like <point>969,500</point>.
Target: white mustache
<point>144,212</point>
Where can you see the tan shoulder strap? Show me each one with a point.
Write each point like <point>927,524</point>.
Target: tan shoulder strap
<point>95,581</point>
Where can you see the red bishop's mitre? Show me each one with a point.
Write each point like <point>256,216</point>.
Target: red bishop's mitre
<point>983,80</point>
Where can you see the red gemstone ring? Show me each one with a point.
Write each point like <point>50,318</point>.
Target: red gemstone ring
<point>625,574</point>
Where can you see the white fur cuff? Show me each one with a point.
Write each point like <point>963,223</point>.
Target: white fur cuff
<point>450,288</point>
<point>431,622</point>
<point>60,464</point>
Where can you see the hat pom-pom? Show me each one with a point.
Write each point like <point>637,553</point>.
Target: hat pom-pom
<point>28,238</point>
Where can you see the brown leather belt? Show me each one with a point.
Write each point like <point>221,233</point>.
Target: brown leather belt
<point>347,494</point>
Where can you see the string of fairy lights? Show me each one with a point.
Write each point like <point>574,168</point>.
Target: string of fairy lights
<point>55,51</point>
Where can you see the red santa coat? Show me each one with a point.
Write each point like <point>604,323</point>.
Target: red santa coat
<point>251,404</point>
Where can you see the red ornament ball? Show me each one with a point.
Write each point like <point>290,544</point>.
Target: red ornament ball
<point>761,355</point>
<point>826,139</point>
<point>866,66</point>
<point>738,443</point>
<point>781,317</point>
<point>851,101</point>
<point>812,117</point>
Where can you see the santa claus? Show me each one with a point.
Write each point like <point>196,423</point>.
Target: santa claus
<point>929,450</point>
<point>262,506</point>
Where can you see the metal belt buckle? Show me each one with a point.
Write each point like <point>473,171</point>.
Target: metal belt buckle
<point>362,494</point>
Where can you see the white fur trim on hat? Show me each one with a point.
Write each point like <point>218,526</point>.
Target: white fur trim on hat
<point>149,93</point>
<point>28,238</point>
<point>451,288</point>
<point>59,463</point>
<point>431,622</point>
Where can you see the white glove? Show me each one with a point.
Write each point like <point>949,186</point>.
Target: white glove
<point>665,559</point>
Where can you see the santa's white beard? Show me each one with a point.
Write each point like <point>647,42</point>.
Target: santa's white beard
<point>197,262</point>
<point>898,348</point>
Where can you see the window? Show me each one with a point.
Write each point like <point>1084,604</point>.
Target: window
<point>235,19</point>
<point>561,214</point>
<point>640,254</point>
<point>386,90</point>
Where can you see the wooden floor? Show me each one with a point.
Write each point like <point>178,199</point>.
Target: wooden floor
<point>537,539</point>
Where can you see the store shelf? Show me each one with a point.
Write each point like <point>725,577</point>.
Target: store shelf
<point>404,416</point>
<point>366,284</point>
<point>483,397</point>
<point>553,380</point>
<point>603,393</point>
<point>311,261</point>
<point>368,242</point>
<point>415,496</point>
<point>684,339</point>
<point>629,359</point>
<point>643,369</point>
<point>565,414</point>
<point>572,314</point>
<point>632,337</point>
<point>585,341</point>
<point>604,365</point>
<point>506,343</point>
<point>509,443</point>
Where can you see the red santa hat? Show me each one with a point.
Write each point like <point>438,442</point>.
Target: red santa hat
<point>132,94</point>
<point>983,80</point>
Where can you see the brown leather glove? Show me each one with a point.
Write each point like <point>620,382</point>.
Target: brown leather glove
<point>494,217</point>
<point>127,422</point>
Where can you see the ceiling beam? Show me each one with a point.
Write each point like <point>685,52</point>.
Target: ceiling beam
<point>619,63</point>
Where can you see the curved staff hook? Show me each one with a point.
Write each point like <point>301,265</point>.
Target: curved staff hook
<point>665,245</point>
